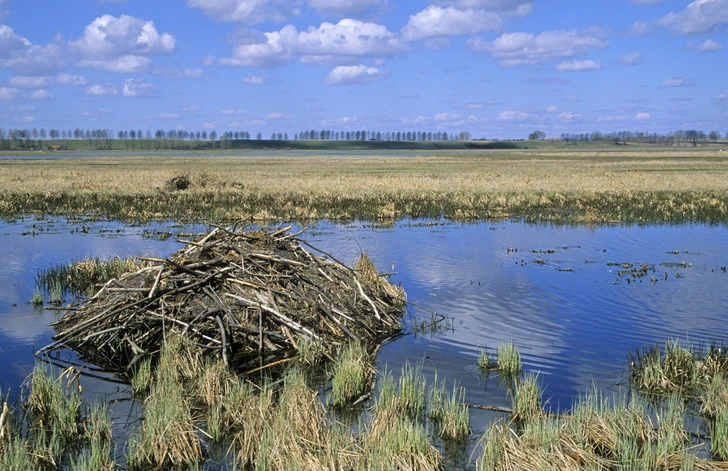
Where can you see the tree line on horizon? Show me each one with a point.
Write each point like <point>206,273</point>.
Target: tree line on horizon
<point>680,137</point>
<point>101,139</point>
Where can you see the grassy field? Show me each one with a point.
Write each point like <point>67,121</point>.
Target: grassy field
<point>588,183</point>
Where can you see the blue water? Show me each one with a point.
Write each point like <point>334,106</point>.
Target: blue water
<point>555,291</point>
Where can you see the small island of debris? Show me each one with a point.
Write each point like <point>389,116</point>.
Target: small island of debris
<point>247,297</point>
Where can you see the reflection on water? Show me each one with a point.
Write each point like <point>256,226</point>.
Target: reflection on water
<point>564,295</point>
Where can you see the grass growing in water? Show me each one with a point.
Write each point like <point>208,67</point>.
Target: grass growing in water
<point>448,411</point>
<point>509,359</point>
<point>353,374</point>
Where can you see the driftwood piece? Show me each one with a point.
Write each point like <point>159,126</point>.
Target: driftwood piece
<point>245,296</point>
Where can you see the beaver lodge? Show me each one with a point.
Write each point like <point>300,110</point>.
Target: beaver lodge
<point>248,297</point>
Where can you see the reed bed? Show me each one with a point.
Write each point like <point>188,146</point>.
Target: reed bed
<point>52,427</point>
<point>557,186</point>
<point>86,276</point>
<point>246,297</point>
<point>353,375</point>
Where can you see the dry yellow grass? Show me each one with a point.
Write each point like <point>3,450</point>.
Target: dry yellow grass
<point>499,171</point>
<point>555,185</point>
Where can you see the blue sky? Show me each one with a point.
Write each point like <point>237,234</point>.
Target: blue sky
<point>495,68</point>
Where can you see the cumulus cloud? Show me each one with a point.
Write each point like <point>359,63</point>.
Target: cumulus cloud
<point>67,79</point>
<point>354,74</point>
<point>677,82</point>
<point>446,117</point>
<point>29,81</point>
<point>26,58</point>
<point>511,115</point>
<point>247,11</point>
<point>633,58</point>
<point>642,116</point>
<point>122,65</point>
<point>137,88</point>
<point>514,49</point>
<point>569,116</point>
<point>121,45</point>
<point>346,41</point>
<point>706,46</point>
<point>509,7</point>
<point>231,112</point>
<point>579,65</point>
<point>639,28</point>
<point>344,120</point>
<point>41,95</point>
<point>699,17</point>
<point>552,109</point>
<point>106,89</point>
<point>255,80</point>
<point>435,21</point>
<point>9,93</point>
<point>277,116</point>
<point>348,8</point>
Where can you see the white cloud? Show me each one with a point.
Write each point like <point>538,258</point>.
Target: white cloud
<point>25,119</point>
<point>552,109</point>
<point>231,112</point>
<point>699,17</point>
<point>190,108</point>
<point>346,41</point>
<point>40,95</point>
<point>8,93</point>
<point>110,37</point>
<point>573,99</point>
<point>677,82</point>
<point>209,125</point>
<point>25,57</point>
<point>255,122</point>
<point>277,116</point>
<point>569,116</point>
<point>435,21</point>
<point>137,88</point>
<point>511,115</point>
<point>579,65</point>
<point>633,58</point>
<point>67,79</point>
<point>519,8</point>
<point>122,65</point>
<point>354,74</point>
<point>642,116</point>
<point>29,81</point>
<point>639,28</point>
<point>247,11</point>
<point>446,117</point>
<point>706,46</point>
<point>107,89</point>
<point>514,49</point>
<point>255,80</point>
<point>344,120</point>
<point>347,8</point>
<point>721,100</point>
<point>121,45</point>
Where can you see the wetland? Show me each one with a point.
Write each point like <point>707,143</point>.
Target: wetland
<point>578,289</point>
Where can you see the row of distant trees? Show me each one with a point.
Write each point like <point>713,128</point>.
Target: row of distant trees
<point>681,137</point>
<point>101,139</point>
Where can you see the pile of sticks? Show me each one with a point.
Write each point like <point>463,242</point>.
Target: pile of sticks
<point>249,297</point>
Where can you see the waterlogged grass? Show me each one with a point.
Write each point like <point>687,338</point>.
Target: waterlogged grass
<point>53,427</point>
<point>82,276</point>
<point>353,374</point>
<point>558,186</point>
<point>509,359</point>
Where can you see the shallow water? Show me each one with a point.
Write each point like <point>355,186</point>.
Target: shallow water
<point>555,292</point>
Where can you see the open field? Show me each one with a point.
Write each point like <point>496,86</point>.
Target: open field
<point>582,185</point>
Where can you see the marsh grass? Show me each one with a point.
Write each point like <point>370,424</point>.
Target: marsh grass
<point>353,374</point>
<point>676,368</point>
<point>448,411</point>
<point>485,362</point>
<point>83,276</point>
<point>509,360</point>
<point>526,399</point>
<point>557,186</point>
